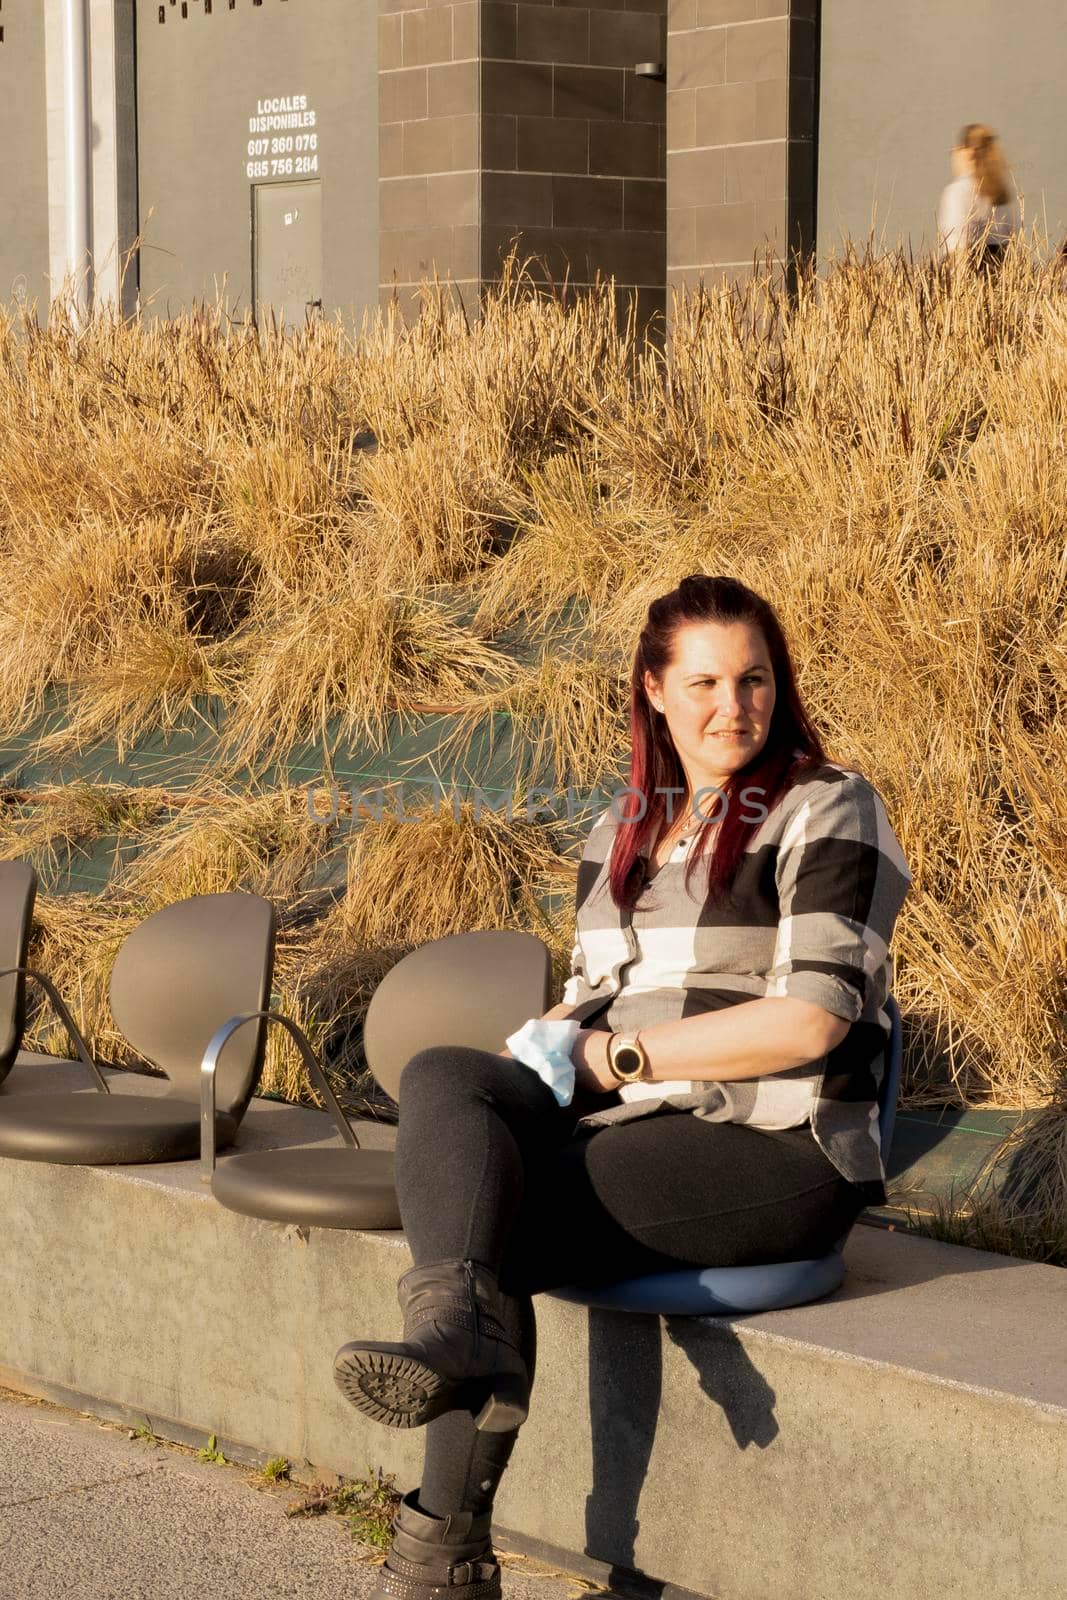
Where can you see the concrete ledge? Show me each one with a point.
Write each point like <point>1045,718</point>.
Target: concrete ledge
<point>906,1438</point>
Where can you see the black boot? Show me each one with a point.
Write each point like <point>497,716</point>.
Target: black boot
<point>455,1354</point>
<point>438,1558</point>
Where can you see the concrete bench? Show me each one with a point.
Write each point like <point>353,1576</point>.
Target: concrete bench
<point>905,1439</point>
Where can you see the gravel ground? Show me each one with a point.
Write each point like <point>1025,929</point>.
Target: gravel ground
<point>91,1513</point>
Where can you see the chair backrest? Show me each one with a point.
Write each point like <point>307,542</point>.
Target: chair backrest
<point>184,972</point>
<point>468,988</point>
<point>18,891</point>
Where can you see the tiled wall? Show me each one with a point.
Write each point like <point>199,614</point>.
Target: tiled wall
<point>523,120</point>
<point>741,97</point>
<point>428,64</point>
<point>504,121</point>
<point>573,142</point>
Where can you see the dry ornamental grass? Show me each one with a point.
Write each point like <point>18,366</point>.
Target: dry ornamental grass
<point>307,535</point>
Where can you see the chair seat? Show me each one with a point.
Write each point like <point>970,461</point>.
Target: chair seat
<point>319,1186</point>
<point>91,1129</point>
<point>716,1291</point>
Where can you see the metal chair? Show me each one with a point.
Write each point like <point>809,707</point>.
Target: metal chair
<point>720,1291</point>
<point>178,975</point>
<point>427,998</point>
<point>319,1185</point>
<point>18,891</point>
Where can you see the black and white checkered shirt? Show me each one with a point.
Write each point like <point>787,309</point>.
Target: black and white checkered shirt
<point>811,915</point>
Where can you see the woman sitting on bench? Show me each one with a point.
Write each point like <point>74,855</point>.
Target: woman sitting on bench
<point>735,907</point>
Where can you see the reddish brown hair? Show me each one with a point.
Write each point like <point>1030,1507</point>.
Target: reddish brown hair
<point>791,749</point>
<point>990,170</point>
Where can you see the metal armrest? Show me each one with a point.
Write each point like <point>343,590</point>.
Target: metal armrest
<point>59,1007</point>
<point>210,1063</point>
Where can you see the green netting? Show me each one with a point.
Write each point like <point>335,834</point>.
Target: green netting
<point>938,1154</point>
<point>496,770</point>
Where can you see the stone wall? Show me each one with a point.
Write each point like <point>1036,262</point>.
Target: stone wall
<point>574,142</point>
<point>522,124</point>
<point>741,111</point>
<point>429,145</point>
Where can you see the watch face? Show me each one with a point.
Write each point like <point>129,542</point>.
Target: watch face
<point>627,1059</point>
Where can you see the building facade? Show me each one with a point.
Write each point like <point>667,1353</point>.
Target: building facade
<point>303,154</point>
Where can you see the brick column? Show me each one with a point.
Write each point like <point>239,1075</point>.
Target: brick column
<point>574,143</point>
<point>741,94</point>
<point>428,145</point>
<point>522,120</point>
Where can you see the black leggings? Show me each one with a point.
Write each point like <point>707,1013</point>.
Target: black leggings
<point>489,1168</point>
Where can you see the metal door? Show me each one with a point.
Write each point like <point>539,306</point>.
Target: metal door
<point>287,250</point>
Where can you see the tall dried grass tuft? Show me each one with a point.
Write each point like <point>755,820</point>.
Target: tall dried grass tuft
<point>75,941</point>
<point>50,825</point>
<point>262,844</point>
<point>337,661</point>
<point>453,866</point>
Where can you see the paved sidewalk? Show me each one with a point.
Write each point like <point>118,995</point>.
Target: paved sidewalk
<point>88,1513</point>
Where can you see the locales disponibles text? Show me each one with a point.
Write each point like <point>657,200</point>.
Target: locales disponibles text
<point>279,152</point>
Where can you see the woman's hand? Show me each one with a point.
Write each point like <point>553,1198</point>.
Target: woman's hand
<point>557,1014</point>
<point>590,1057</point>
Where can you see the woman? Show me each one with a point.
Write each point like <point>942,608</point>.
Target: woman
<point>740,991</point>
<point>978,211</point>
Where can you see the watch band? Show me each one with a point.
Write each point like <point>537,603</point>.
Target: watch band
<point>627,1060</point>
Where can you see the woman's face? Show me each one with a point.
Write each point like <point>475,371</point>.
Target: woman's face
<point>717,695</point>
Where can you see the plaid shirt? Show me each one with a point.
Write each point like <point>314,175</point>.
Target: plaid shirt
<point>810,916</point>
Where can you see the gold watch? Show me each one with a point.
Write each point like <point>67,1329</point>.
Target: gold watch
<point>627,1060</point>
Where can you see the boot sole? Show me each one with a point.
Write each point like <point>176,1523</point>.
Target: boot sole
<point>401,1392</point>
<point>395,1390</point>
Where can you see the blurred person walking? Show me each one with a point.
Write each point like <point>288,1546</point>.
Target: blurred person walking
<point>979,210</point>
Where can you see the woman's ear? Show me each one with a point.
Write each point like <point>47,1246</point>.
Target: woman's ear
<point>652,690</point>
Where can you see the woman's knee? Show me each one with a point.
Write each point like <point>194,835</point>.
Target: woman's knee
<point>451,1076</point>
<point>442,1069</point>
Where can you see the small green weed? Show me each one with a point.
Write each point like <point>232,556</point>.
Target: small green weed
<point>276,1470</point>
<point>368,1505</point>
<point>211,1452</point>
<point>144,1431</point>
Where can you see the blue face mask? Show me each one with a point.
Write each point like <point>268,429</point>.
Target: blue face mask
<point>545,1047</point>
